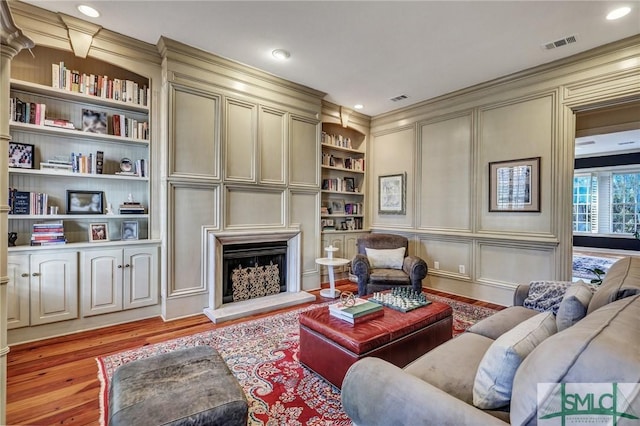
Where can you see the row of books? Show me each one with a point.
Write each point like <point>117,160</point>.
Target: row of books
<point>48,233</point>
<point>362,310</point>
<point>26,112</point>
<point>25,202</point>
<point>98,85</point>
<point>92,164</point>
<point>348,163</point>
<point>336,140</point>
<point>131,208</point>
<point>129,127</point>
<point>346,184</point>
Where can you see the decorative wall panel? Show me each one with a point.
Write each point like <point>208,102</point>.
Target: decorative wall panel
<point>194,133</point>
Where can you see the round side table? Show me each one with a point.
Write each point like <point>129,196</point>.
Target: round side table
<point>330,262</point>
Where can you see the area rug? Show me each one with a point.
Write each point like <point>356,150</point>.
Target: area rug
<point>583,265</point>
<point>263,356</point>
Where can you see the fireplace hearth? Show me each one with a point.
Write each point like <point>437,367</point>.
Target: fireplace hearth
<point>254,270</point>
<point>238,244</point>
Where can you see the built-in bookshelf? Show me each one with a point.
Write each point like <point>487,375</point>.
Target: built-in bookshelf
<point>343,179</point>
<point>77,132</point>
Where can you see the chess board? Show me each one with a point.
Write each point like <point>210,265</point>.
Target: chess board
<point>402,300</point>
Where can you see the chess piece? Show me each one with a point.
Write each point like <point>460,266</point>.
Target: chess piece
<point>13,236</point>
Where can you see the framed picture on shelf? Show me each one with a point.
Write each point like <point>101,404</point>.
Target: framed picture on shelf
<point>94,121</point>
<point>349,184</point>
<point>392,194</point>
<point>84,202</point>
<point>98,232</point>
<point>129,230</point>
<point>337,206</point>
<point>514,186</point>
<point>21,155</point>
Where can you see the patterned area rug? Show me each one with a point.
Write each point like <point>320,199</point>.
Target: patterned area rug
<point>263,356</point>
<point>582,265</point>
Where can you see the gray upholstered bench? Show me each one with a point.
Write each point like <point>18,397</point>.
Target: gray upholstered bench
<point>186,387</point>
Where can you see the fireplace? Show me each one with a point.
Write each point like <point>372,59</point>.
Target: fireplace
<point>253,270</point>
<point>237,244</point>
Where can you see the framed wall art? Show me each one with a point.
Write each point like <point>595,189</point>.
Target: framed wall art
<point>98,232</point>
<point>514,186</point>
<point>84,202</point>
<point>392,194</point>
<point>129,230</point>
<point>21,155</point>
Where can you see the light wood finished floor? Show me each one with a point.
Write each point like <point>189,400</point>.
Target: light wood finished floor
<point>55,381</point>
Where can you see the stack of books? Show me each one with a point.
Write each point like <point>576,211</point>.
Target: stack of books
<point>48,233</point>
<point>362,310</point>
<point>131,207</point>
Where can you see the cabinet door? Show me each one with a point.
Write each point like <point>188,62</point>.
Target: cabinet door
<point>101,277</point>
<point>54,287</point>
<point>18,291</point>
<point>140,277</point>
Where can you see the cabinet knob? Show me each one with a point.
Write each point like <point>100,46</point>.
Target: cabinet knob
<point>127,265</point>
<point>36,274</point>
<point>25,275</point>
<point>120,266</point>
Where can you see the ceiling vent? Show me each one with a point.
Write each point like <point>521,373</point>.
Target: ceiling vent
<point>399,98</point>
<point>559,43</point>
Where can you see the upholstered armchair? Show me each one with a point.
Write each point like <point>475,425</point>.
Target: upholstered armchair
<point>382,263</point>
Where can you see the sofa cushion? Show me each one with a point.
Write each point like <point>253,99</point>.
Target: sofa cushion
<point>601,348</point>
<point>451,367</point>
<point>501,322</point>
<point>386,258</point>
<point>396,276</point>
<point>494,378</point>
<point>622,280</point>
<point>574,305</point>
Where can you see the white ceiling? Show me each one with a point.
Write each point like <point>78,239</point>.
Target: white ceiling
<point>371,51</point>
<point>368,52</point>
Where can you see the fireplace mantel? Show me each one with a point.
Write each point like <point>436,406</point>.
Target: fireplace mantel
<point>213,242</point>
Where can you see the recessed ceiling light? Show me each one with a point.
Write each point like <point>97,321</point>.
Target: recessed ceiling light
<point>281,54</point>
<point>358,106</point>
<point>88,10</point>
<point>618,13</point>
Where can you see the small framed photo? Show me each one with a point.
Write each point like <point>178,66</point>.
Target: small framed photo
<point>337,206</point>
<point>349,184</point>
<point>21,155</point>
<point>392,194</point>
<point>84,202</point>
<point>98,232</point>
<point>94,121</point>
<point>129,230</point>
<point>514,186</point>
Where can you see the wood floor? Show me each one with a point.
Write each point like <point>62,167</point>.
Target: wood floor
<point>55,381</point>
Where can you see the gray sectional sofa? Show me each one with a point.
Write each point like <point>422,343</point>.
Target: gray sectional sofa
<point>447,385</point>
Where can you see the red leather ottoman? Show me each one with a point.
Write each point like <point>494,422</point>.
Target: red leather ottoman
<point>329,346</point>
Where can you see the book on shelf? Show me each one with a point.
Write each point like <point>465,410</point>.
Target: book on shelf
<point>26,112</point>
<point>27,203</point>
<point>59,122</point>
<point>98,85</point>
<point>48,233</point>
<point>359,308</point>
<point>359,319</point>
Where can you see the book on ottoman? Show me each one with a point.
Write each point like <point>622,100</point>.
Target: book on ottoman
<point>359,319</point>
<point>359,308</point>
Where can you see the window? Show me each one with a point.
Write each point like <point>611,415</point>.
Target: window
<point>585,207</point>
<point>607,201</point>
<point>625,202</point>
